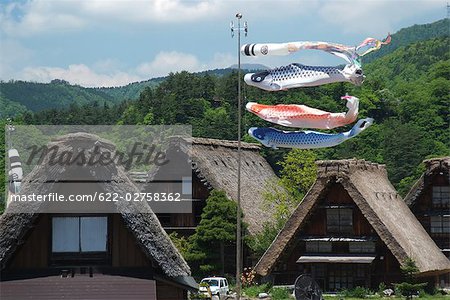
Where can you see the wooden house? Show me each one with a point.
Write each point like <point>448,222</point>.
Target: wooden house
<point>124,254</point>
<point>213,165</point>
<point>351,229</point>
<point>429,200</point>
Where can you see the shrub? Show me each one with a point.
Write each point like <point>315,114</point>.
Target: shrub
<point>254,290</point>
<point>198,296</point>
<point>409,287</point>
<point>357,292</point>
<point>381,288</point>
<point>280,294</point>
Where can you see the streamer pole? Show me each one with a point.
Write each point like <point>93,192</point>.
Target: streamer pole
<point>239,247</point>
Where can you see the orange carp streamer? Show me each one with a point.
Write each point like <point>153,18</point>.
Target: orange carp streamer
<point>302,116</point>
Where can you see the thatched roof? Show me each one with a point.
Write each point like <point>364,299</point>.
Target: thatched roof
<point>433,166</point>
<point>138,218</point>
<point>368,186</point>
<point>215,163</point>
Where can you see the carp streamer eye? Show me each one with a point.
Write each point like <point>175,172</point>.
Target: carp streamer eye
<point>363,124</point>
<point>258,77</point>
<point>359,72</point>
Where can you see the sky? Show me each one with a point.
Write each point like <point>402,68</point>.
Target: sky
<point>115,42</point>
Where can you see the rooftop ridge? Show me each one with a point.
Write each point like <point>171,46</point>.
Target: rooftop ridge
<point>327,168</point>
<point>68,139</point>
<point>432,163</point>
<point>216,142</point>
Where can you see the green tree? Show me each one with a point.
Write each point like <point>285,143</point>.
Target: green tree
<point>409,287</point>
<point>282,196</point>
<point>298,172</point>
<point>217,230</point>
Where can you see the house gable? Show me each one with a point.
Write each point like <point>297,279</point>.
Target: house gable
<point>367,185</point>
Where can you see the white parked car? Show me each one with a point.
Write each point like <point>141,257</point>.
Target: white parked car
<point>217,285</point>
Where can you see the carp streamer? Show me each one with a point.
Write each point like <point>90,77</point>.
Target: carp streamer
<point>297,75</point>
<point>302,116</point>
<point>350,54</point>
<point>274,138</point>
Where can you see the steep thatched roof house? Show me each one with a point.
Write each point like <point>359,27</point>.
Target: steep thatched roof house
<point>214,166</point>
<point>436,174</point>
<point>351,229</point>
<point>117,254</point>
<point>429,200</point>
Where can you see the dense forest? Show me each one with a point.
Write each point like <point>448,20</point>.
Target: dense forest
<point>18,96</point>
<point>405,91</point>
<point>56,94</point>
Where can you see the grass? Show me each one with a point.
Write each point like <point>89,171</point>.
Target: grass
<point>280,294</point>
<point>255,290</point>
<point>446,297</point>
<point>275,293</point>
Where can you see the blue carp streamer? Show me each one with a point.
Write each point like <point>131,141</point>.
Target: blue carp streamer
<point>274,138</point>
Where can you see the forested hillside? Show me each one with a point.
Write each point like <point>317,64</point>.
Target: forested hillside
<point>133,90</point>
<point>20,95</point>
<point>130,91</point>
<point>56,94</point>
<point>406,92</point>
<point>410,35</point>
<point>10,108</point>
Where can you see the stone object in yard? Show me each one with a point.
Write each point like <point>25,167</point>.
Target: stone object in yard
<point>388,292</point>
<point>263,296</point>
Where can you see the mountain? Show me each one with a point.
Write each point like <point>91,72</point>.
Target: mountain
<point>17,96</point>
<point>410,35</point>
<point>250,67</point>
<point>10,108</point>
<point>131,90</point>
<point>134,89</point>
<point>56,94</point>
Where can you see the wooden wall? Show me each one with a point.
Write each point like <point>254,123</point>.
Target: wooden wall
<point>165,291</point>
<point>317,220</point>
<point>33,253</point>
<point>199,192</point>
<point>423,208</point>
<point>125,250</point>
<point>424,202</point>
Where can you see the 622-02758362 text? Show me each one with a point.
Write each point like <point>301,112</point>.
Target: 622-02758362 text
<point>102,197</point>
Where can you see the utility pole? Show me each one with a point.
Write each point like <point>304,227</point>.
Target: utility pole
<point>239,248</point>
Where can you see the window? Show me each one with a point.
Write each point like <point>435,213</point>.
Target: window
<point>211,282</point>
<point>361,247</point>
<point>318,272</point>
<point>79,234</point>
<point>346,276</point>
<point>441,196</point>
<point>340,278</point>
<point>318,246</point>
<point>186,185</point>
<point>440,224</point>
<point>340,220</point>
